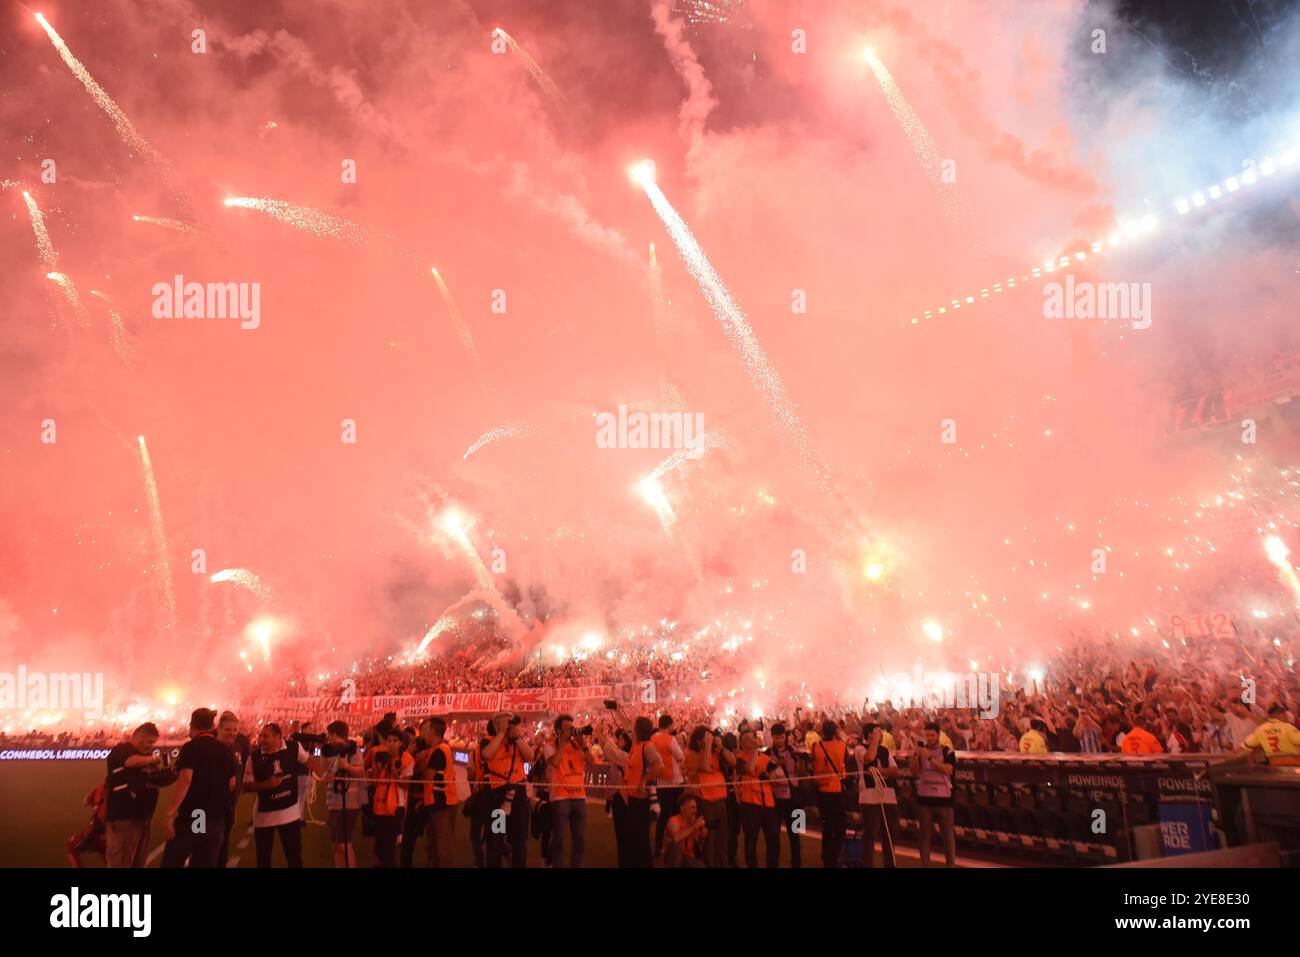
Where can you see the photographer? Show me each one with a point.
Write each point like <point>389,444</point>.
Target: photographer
<point>786,792</point>
<point>704,763</point>
<point>670,784</point>
<point>828,771</point>
<point>345,793</point>
<point>134,775</point>
<point>196,821</point>
<point>754,769</point>
<point>437,768</point>
<point>878,801</point>
<point>641,767</point>
<point>934,767</point>
<point>393,769</point>
<point>568,757</point>
<point>272,775</point>
<point>504,756</point>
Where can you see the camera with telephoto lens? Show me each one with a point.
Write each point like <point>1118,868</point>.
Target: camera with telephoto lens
<point>347,749</point>
<point>382,758</point>
<point>586,730</point>
<point>611,704</point>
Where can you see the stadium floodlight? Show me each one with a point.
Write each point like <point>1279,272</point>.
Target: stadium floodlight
<point>1215,192</point>
<point>1231,184</point>
<point>1266,166</point>
<point>1248,177</point>
<point>1181,205</point>
<point>1198,199</point>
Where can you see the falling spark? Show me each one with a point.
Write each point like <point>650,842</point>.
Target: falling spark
<point>538,74</point>
<point>658,302</point>
<point>162,564</point>
<point>247,580</point>
<point>44,248</point>
<point>125,130</point>
<point>513,431</point>
<point>323,225</point>
<point>457,320</point>
<point>734,324</point>
<point>175,224</point>
<point>914,129</point>
<point>709,440</point>
<point>708,11</point>
<point>70,291</point>
<point>121,345</point>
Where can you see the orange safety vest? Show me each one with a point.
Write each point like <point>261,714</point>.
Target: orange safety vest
<point>448,784</point>
<point>388,792</point>
<point>571,775</point>
<point>713,784</point>
<point>635,769</point>
<point>752,789</point>
<point>828,778</point>
<point>663,741</point>
<point>688,845</point>
<point>506,761</point>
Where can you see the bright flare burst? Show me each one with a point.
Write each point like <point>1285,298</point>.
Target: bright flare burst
<point>1279,555</point>
<point>44,248</point>
<point>162,564</point>
<point>734,323</point>
<point>260,631</point>
<point>456,526</point>
<point>536,72</point>
<point>650,490</point>
<point>247,580</point>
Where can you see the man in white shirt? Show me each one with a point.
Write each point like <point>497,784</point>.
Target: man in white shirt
<point>271,776</point>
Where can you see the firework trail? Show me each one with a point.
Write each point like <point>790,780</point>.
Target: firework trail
<point>324,225</point>
<point>914,129</point>
<point>246,580</point>
<point>120,343</point>
<point>538,74</point>
<point>175,224</point>
<point>513,431</point>
<point>162,564</point>
<point>456,527</point>
<point>709,440</point>
<point>659,303</point>
<point>650,490</point>
<point>457,320</point>
<point>1278,553</point>
<point>70,291</point>
<point>44,248</point>
<point>439,626</point>
<point>696,12</point>
<point>125,130</point>
<point>735,326</point>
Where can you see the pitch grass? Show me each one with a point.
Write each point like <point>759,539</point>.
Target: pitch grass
<point>41,806</point>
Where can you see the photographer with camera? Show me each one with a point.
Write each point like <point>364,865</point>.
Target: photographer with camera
<point>272,775</point>
<point>641,767</point>
<point>828,770</point>
<point>437,768</point>
<point>344,791</point>
<point>569,757</point>
<point>504,756</point>
<point>134,776</point>
<point>785,791</point>
<point>876,798</point>
<point>755,771</point>
<point>705,760</point>
<point>393,768</point>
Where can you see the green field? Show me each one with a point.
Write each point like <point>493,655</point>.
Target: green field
<point>40,807</point>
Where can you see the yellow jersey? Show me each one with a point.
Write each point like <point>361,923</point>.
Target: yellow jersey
<point>1032,742</point>
<point>1275,737</point>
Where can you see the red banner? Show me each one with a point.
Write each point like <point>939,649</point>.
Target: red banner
<point>585,693</point>
<point>475,702</point>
